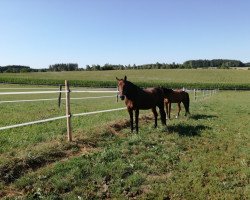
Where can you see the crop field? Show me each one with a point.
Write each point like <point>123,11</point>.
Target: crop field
<point>203,78</point>
<point>203,156</point>
<point>162,75</point>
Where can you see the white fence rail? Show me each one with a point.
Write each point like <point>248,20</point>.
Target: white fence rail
<point>201,94</point>
<point>33,122</point>
<point>34,92</point>
<point>53,99</point>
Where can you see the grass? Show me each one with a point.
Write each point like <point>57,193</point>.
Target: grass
<point>205,156</point>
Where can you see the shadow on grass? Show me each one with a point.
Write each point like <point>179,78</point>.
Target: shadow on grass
<point>202,116</point>
<point>187,130</point>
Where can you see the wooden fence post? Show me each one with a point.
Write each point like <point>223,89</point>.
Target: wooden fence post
<point>194,94</point>
<point>68,114</point>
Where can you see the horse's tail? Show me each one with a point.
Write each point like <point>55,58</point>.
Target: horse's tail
<point>187,102</point>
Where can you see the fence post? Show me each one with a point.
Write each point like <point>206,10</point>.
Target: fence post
<point>68,114</point>
<point>194,94</point>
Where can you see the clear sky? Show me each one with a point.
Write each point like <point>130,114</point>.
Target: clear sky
<point>38,33</point>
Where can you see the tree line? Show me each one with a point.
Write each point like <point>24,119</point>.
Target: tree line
<point>190,64</point>
<point>52,68</point>
<point>15,69</point>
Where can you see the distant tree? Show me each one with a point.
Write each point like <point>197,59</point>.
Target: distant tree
<point>25,70</point>
<point>64,67</point>
<point>88,68</point>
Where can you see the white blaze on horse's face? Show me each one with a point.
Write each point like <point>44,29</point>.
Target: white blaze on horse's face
<point>120,86</point>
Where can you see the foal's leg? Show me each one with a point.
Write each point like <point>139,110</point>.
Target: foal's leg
<point>155,115</point>
<point>130,111</point>
<point>136,120</point>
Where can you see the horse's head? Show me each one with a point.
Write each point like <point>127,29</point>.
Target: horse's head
<point>167,91</point>
<point>122,87</point>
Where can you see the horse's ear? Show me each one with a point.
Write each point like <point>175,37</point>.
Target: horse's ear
<point>117,78</point>
<point>125,78</point>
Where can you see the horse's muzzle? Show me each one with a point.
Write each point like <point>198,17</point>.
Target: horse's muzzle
<point>122,97</point>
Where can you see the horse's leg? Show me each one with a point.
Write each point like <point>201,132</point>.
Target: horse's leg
<point>155,115</point>
<point>169,109</point>
<point>136,120</point>
<point>186,105</point>
<point>162,113</point>
<point>179,109</point>
<point>130,111</point>
<point>166,105</point>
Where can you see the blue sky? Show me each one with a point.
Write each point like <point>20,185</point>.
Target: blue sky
<point>38,33</point>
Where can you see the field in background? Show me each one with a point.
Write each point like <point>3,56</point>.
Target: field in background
<point>204,156</point>
<point>172,78</point>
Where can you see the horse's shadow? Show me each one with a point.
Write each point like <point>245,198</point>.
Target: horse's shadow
<point>187,130</point>
<point>202,116</point>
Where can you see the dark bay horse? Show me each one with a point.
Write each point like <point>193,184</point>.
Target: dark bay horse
<point>141,99</point>
<point>176,96</point>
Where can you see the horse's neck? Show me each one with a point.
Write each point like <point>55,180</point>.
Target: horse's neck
<point>168,92</point>
<point>133,92</point>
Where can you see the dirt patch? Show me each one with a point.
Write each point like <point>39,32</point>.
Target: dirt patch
<point>16,167</point>
<point>115,128</point>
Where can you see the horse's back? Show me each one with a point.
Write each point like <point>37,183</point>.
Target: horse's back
<point>150,97</point>
<point>177,96</point>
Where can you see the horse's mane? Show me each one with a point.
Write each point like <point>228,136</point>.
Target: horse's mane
<point>133,85</point>
<point>133,90</point>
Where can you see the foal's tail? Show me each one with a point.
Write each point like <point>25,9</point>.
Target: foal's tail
<point>187,102</point>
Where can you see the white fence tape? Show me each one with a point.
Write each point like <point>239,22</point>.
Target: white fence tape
<point>53,99</point>
<point>99,97</point>
<point>61,117</point>
<point>100,111</point>
<point>51,92</point>
<point>28,100</point>
<point>94,91</point>
<point>35,92</point>
<point>28,88</point>
<point>34,122</point>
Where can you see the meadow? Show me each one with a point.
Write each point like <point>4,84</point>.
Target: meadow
<point>204,156</point>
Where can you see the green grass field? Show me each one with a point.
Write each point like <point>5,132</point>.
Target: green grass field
<point>205,156</point>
